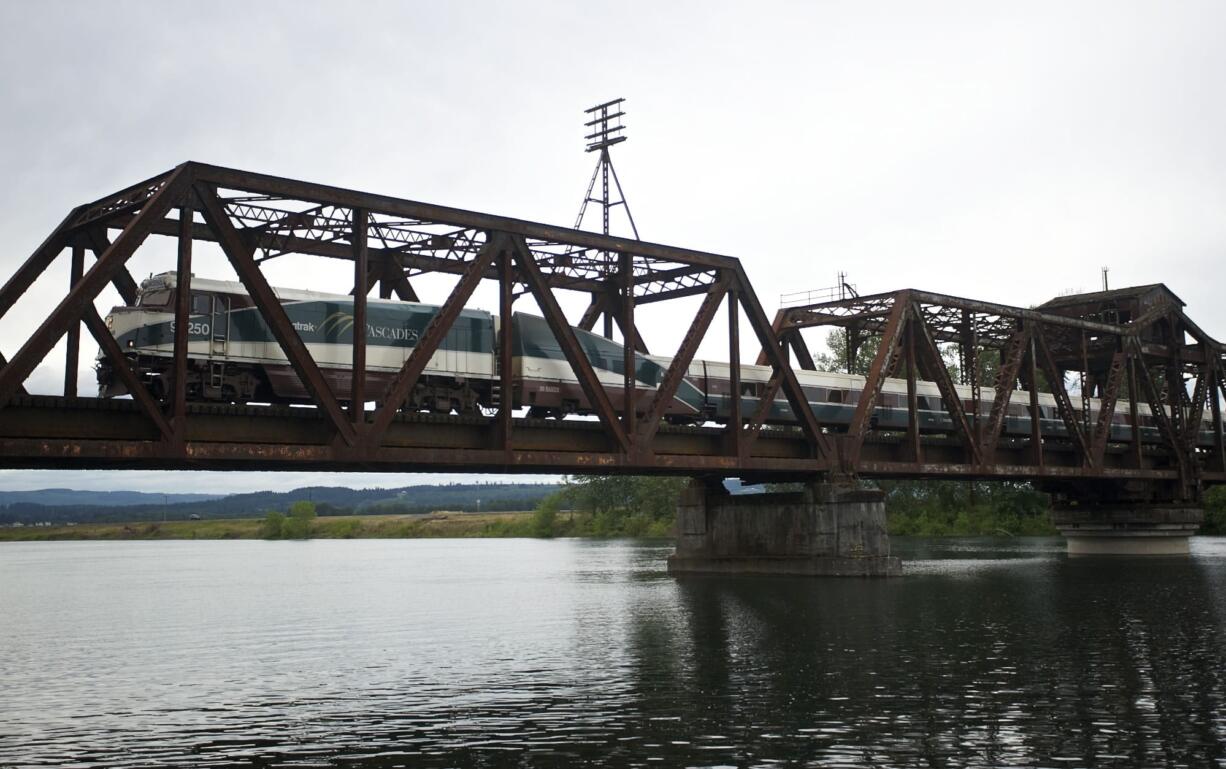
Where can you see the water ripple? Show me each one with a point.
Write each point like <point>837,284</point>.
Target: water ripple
<point>524,653</point>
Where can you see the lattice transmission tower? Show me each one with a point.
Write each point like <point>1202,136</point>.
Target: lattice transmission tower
<point>607,129</point>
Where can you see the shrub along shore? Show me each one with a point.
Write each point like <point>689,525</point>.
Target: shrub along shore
<point>590,506</point>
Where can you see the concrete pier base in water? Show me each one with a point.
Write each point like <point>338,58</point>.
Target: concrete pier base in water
<point>824,530</point>
<point>1128,529</point>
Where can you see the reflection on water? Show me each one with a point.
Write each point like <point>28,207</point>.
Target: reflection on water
<point>534,653</point>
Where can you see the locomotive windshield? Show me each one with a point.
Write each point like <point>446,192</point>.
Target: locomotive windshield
<point>159,298</point>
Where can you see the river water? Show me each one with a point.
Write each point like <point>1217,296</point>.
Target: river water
<point>490,653</point>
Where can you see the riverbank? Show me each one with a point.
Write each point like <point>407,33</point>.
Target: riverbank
<point>442,524</point>
<point>511,524</point>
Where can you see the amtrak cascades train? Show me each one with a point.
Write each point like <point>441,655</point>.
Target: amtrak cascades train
<point>234,358</point>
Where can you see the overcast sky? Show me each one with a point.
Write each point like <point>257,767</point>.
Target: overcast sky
<point>1001,152</point>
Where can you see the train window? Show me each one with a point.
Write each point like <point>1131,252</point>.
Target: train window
<point>202,304</point>
<point>155,298</point>
<point>835,396</point>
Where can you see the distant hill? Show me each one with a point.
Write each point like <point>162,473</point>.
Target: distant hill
<point>50,506</point>
<point>58,497</point>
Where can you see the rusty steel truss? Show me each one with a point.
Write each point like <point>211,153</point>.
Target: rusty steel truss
<point>1113,343</point>
<point>255,218</point>
<point>1134,345</point>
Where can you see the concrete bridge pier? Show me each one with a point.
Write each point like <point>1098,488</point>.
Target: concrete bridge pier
<point>1128,529</point>
<point>823,530</point>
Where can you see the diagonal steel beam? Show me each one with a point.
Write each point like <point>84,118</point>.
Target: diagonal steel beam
<point>119,362</point>
<point>782,318</point>
<point>123,281</point>
<point>1196,413</point>
<point>680,364</point>
<point>399,389</point>
<point>774,353</point>
<point>36,264</point>
<point>72,307</point>
<point>930,362</point>
<point>765,401</point>
<point>393,276</point>
<point>804,358</point>
<point>565,335</point>
<point>1064,404</point>
<point>1106,407</point>
<point>1006,384</point>
<point>1215,410</point>
<point>597,307</point>
<point>21,390</point>
<point>1158,409</point>
<point>861,419</point>
<point>241,257</point>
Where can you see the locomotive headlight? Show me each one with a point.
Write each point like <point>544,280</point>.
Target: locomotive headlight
<point>129,343</point>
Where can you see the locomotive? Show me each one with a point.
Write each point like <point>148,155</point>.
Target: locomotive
<point>233,357</point>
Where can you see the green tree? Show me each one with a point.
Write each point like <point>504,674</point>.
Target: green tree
<point>298,524</point>
<point>545,518</point>
<point>273,524</point>
<point>636,506</point>
<point>834,358</point>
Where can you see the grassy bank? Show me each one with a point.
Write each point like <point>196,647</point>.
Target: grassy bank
<point>339,527</point>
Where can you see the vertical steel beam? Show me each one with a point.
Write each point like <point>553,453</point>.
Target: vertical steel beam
<point>629,337</point>
<point>1134,395</point>
<point>597,397</point>
<point>680,364</point>
<point>183,299</point>
<point>506,346</point>
<point>1215,411</point>
<point>913,428</point>
<point>853,347</point>
<point>73,357</point>
<point>1086,384</point>
<point>735,417</point>
<point>269,306</point>
<point>1036,410</point>
<point>72,308</point>
<point>399,389</point>
<point>385,285</point>
<point>357,382</point>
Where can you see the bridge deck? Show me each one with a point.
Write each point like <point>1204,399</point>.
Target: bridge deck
<point>50,432</point>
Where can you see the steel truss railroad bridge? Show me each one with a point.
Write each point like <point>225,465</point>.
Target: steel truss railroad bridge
<point>1134,341</point>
